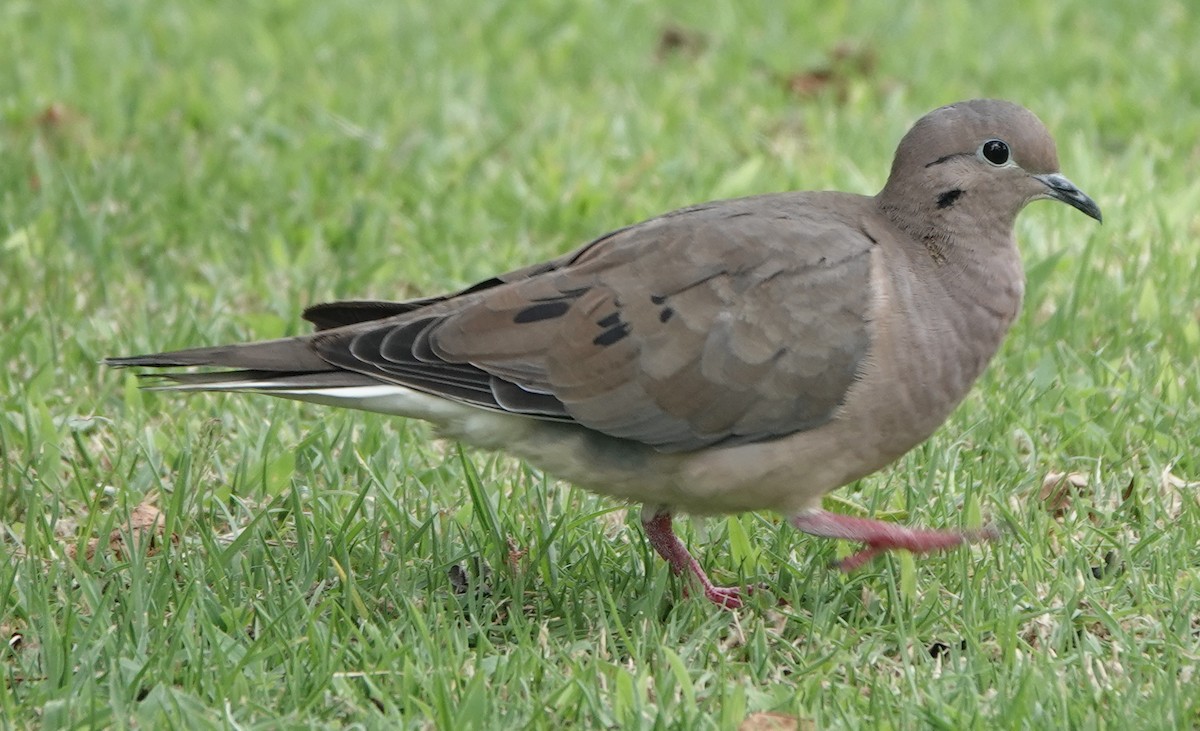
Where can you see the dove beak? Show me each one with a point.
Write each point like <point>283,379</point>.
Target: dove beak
<point>1061,189</point>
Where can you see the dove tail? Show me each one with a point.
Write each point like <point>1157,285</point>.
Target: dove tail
<point>286,368</point>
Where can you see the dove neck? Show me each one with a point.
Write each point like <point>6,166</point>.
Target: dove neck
<point>975,256</point>
<point>984,274</point>
<point>956,296</point>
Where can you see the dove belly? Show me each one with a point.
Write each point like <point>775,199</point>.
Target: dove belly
<point>783,475</point>
<point>452,419</point>
<point>597,462</point>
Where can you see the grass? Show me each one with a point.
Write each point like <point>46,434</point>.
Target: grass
<point>187,174</point>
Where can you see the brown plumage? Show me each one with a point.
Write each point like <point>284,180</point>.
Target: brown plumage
<point>736,355</point>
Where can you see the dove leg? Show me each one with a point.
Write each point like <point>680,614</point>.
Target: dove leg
<point>656,520</point>
<point>880,536</point>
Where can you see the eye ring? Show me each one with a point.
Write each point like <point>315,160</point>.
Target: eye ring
<point>995,152</point>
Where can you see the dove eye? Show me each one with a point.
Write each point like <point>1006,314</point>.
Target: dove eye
<point>995,152</point>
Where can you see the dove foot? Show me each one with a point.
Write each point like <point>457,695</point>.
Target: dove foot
<point>657,524</point>
<point>726,597</point>
<point>880,536</point>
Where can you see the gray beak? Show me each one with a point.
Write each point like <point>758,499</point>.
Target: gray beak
<point>1061,189</point>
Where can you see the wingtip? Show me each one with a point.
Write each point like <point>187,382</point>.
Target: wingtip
<point>152,360</point>
<point>284,354</point>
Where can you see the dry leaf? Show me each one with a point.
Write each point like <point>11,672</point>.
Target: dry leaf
<point>13,637</point>
<point>1173,488</point>
<point>515,554</point>
<point>54,116</point>
<point>145,523</point>
<point>775,722</point>
<point>845,63</point>
<point>673,39</point>
<point>1059,490</point>
<point>809,83</point>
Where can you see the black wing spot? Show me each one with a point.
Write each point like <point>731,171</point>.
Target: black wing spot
<point>666,314</point>
<point>612,335</point>
<point>658,299</point>
<point>945,200</point>
<point>542,311</point>
<point>610,321</point>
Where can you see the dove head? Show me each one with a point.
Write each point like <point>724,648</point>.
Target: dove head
<point>983,160</point>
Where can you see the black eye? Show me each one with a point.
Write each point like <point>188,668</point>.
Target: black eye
<point>995,152</point>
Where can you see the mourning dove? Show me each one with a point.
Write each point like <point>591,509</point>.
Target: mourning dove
<point>749,354</point>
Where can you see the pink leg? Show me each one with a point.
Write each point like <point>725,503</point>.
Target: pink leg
<point>880,536</point>
<point>657,523</point>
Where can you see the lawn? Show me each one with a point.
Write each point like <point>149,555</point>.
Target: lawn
<point>179,174</point>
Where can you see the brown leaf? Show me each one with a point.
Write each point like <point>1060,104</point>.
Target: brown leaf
<point>809,83</point>
<point>515,554</point>
<point>54,116</point>
<point>861,59</point>
<point>145,523</point>
<point>675,39</point>
<point>1059,490</point>
<point>844,63</point>
<point>775,722</point>
<point>1128,492</point>
<point>58,123</point>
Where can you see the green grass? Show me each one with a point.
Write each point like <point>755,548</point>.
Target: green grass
<point>188,174</point>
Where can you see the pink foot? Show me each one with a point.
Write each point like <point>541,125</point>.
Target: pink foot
<point>880,536</point>
<point>726,597</point>
<point>657,523</point>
